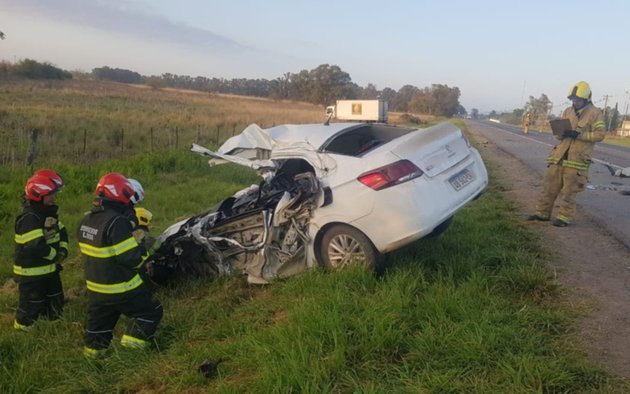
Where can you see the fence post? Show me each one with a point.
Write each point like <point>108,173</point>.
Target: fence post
<point>32,147</point>
<point>122,140</point>
<point>198,133</point>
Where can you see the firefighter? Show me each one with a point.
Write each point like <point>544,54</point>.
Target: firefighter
<point>112,260</point>
<point>143,232</point>
<point>568,162</point>
<point>526,122</point>
<point>41,244</point>
<point>142,221</point>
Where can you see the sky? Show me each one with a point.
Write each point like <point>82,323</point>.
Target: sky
<point>497,52</point>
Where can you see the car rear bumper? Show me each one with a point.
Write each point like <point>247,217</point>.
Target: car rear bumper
<point>421,205</point>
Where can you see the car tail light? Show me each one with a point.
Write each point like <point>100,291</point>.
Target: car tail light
<point>390,175</point>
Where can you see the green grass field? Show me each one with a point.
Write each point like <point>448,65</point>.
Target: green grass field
<point>623,141</point>
<point>473,311</point>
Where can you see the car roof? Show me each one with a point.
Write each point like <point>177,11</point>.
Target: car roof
<point>314,134</point>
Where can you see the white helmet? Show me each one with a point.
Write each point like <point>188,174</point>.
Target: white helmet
<point>138,191</point>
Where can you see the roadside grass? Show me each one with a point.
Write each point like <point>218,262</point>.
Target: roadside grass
<point>474,310</point>
<point>622,141</point>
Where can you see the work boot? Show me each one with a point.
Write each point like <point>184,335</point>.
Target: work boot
<point>21,327</point>
<point>537,217</point>
<point>559,223</point>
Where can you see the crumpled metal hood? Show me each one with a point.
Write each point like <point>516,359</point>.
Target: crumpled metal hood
<point>252,138</point>
<point>256,148</point>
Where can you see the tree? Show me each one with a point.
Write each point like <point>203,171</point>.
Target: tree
<point>539,108</point>
<point>446,100</point>
<point>388,94</point>
<point>474,113</point>
<point>403,98</point>
<point>369,92</point>
<point>32,69</point>
<point>279,87</point>
<point>1,35</point>
<point>116,74</point>
<point>329,83</point>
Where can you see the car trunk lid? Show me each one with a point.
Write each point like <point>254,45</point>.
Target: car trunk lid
<point>434,149</point>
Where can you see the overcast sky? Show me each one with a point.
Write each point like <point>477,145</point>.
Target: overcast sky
<point>497,52</point>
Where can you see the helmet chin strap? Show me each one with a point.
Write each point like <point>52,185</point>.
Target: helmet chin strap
<point>579,104</point>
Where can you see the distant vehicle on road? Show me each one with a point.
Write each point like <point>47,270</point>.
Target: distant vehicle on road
<point>359,110</point>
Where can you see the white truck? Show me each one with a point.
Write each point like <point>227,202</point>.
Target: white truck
<point>359,110</point>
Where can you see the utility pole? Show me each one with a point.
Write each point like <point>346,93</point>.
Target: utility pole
<point>605,108</point>
<point>625,113</point>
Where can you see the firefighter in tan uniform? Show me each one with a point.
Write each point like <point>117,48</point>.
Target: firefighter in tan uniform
<point>568,162</point>
<point>526,122</point>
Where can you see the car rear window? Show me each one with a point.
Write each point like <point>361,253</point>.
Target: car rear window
<point>358,141</point>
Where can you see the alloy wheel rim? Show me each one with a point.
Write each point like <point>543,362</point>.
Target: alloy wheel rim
<point>343,249</point>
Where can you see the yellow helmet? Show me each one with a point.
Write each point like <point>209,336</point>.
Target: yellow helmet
<point>144,216</point>
<point>580,90</point>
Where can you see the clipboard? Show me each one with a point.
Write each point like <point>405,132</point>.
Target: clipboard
<point>559,126</point>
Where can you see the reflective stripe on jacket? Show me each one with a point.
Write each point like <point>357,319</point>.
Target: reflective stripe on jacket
<point>33,256</point>
<point>112,255</point>
<point>576,153</point>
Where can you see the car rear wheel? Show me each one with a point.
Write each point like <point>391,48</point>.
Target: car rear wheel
<point>343,246</point>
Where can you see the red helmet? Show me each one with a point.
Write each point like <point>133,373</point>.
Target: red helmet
<point>39,186</point>
<point>114,187</point>
<point>53,175</point>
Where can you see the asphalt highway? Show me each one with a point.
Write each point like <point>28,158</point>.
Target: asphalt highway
<point>602,200</point>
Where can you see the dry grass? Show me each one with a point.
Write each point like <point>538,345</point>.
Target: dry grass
<point>84,121</point>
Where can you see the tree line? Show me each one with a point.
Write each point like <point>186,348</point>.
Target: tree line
<point>32,69</point>
<point>321,85</point>
<point>540,112</point>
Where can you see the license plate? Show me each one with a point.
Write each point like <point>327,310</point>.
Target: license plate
<point>461,179</point>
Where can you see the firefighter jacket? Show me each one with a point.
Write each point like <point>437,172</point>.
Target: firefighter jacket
<point>112,254</point>
<point>39,239</point>
<point>576,153</point>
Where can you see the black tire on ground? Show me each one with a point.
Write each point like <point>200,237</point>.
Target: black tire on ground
<point>343,245</point>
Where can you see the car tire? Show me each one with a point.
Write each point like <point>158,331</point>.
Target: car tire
<point>343,245</point>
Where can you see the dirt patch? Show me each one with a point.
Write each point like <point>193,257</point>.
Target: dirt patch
<point>9,286</point>
<point>588,260</point>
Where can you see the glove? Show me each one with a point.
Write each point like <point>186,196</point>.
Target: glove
<point>51,228</point>
<point>148,267</point>
<point>61,256</point>
<point>570,134</point>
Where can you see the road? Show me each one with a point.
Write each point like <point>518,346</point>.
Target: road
<point>602,199</point>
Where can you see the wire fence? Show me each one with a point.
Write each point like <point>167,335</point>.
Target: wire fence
<point>44,145</point>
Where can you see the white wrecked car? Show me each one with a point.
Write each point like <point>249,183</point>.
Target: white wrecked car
<point>332,195</point>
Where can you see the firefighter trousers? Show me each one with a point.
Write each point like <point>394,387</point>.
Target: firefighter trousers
<point>40,297</point>
<point>103,313</point>
<point>561,184</point>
